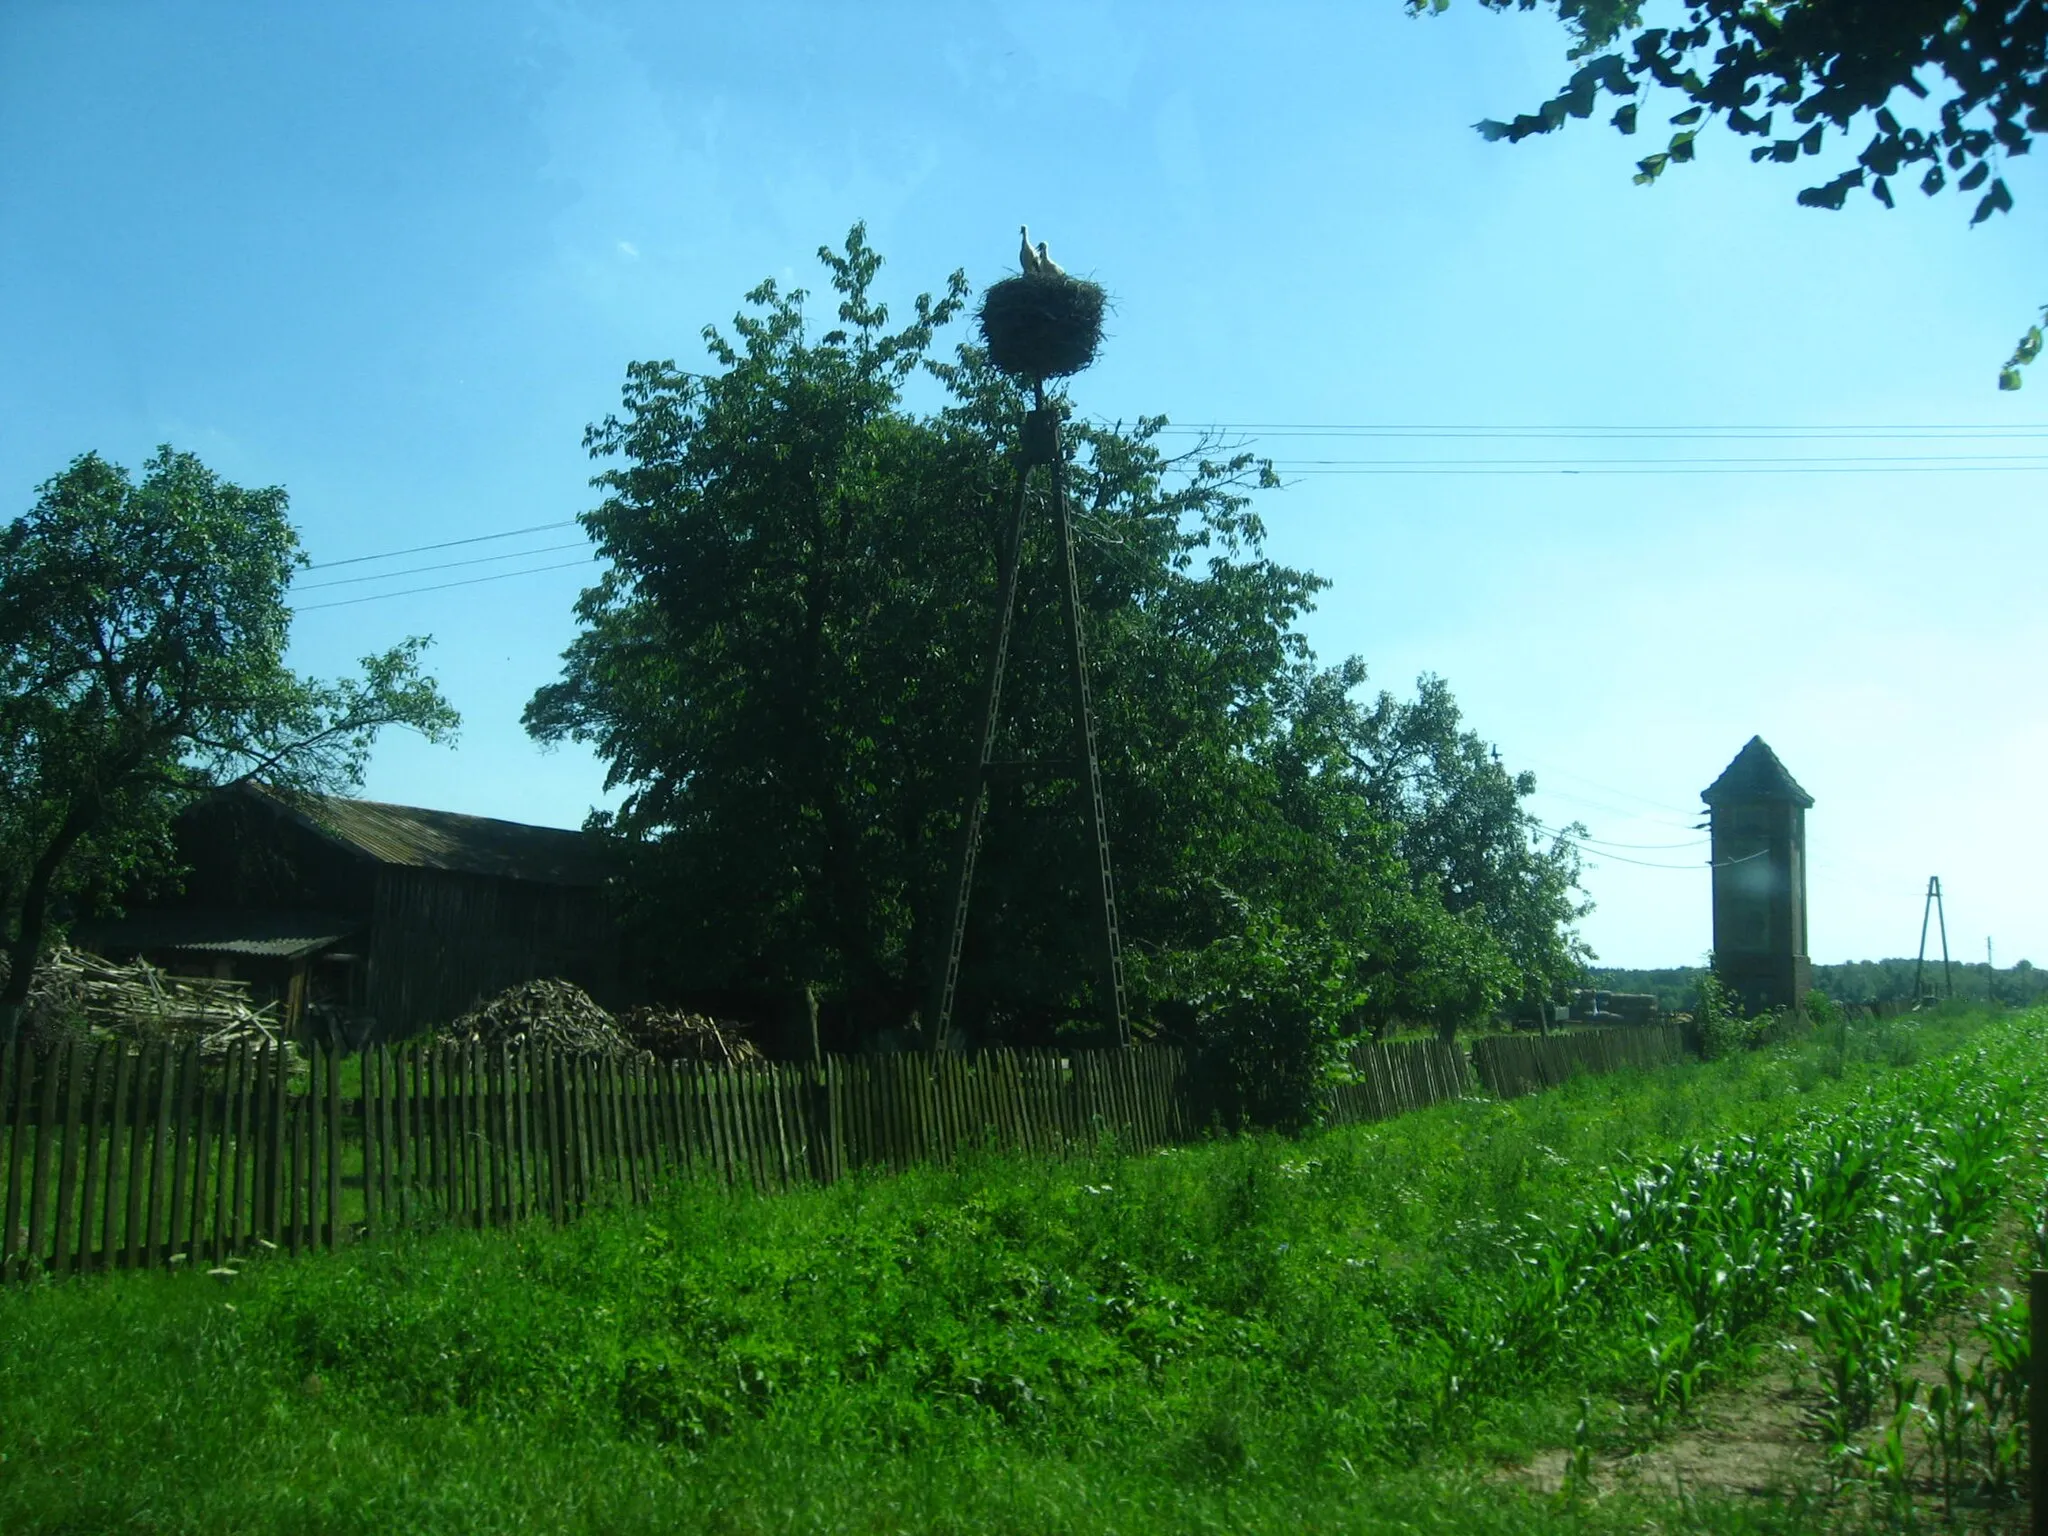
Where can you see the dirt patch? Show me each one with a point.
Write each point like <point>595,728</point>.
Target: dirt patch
<point>1749,1440</point>
<point>1757,1439</point>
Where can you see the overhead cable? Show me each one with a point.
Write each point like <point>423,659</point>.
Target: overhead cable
<point>443,586</point>
<point>445,565</point>
<point>422,549</point>
<point>1765,432</point>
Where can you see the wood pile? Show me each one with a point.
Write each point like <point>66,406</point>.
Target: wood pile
<point>547,1012</point>
<point>76,992</point>
<point>674,1035</point>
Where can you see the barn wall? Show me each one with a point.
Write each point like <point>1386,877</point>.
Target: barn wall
<point>442,942</point>
<point>242,853</point>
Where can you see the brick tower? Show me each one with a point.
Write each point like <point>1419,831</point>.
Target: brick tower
<point>1758,815</point>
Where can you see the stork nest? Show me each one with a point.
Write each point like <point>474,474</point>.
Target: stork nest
<point>1041,326</point>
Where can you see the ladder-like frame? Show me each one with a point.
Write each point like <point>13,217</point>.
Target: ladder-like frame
<point>1932,907</point>
<point>1040,446</point>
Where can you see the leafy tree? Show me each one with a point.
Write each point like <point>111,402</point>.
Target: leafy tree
<point>782,662</point>
<point>142,638</point>
<point>1789,73</point>
<point>1463,826</point>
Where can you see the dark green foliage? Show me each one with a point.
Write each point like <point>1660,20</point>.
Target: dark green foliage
<point>143,629</point>
<point>1042,325</point>
<point>783,662</point>
<point>1270,1007</point>
<point>1859,982</point>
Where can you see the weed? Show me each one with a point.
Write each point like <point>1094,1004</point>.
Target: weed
<point>1255,1333</point>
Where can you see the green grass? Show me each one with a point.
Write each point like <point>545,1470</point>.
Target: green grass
<point>1251,1335</point>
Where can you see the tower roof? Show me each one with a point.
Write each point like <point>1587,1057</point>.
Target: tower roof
<point>1756,774</point>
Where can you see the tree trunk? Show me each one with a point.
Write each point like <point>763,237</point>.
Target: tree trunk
<point>26,946</point>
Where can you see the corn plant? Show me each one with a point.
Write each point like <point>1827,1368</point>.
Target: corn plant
<point>1862,1224</point>
<point>1977,1415</point>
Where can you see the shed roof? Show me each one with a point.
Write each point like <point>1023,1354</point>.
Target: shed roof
<point>414,837</point>
<point>1755,774</point>
<point>273,935</point>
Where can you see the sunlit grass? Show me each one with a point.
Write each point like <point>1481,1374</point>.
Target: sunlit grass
<point>1247,1335</point>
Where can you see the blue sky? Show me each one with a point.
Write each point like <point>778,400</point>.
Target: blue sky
<point>394,258</point>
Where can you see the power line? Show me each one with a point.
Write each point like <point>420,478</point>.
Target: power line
<point>1594,467</point>
<point>1598,853</point>
<point>1765,432</point>
<point>446,565</point>
<point>423,549</point>
<point>1994,431</point>
<point>2014,460</point>
<point>1553,793</point>
<point>1600,847</point>
<point>1612,789</point>
<point>1697,842</point>
<point>442,586</point>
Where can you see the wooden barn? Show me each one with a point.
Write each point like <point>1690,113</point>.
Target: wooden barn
<point>371,921</point>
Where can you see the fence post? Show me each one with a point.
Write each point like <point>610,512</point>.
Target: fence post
<point>55,1066</point>
<point>17,1154</point>
<point>67,1178</point>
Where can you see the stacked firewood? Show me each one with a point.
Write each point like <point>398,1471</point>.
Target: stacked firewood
<point>674,1035</point>
<point>79,993</point>
<point>548,1012</point>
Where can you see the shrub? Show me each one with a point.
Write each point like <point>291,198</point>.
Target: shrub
<point>1270,1005</point>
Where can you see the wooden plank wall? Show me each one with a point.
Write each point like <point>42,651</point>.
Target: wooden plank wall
<point>1396,1077</point>
<point>1509,1065</point>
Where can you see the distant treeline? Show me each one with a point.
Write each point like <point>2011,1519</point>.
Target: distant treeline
<point>1860,981</point>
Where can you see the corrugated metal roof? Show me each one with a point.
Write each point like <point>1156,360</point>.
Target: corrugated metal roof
<point>275,935</point>
<point>417,838</point>
<point>1756,774</point>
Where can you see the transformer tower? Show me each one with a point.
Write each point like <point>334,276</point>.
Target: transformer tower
<point>1757,812</point>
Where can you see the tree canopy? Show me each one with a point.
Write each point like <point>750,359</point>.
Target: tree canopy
<point>1946,91</point>
<point>142,639</point>
<point>781,664</point>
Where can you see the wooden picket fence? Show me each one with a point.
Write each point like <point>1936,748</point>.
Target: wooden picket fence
<point>114,1155</point>
<point>1510,1065</point>
<point>118,1156</point>
<point>1394,1077</point>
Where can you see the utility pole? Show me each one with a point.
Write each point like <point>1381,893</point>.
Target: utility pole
<point>1990,971</point>
<point>1932,907</point>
